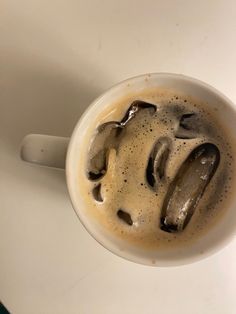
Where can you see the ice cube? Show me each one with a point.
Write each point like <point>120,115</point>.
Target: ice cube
<point>189,126</point>
<point>188,187</point>
<point>135,107</point>
<point>155,171</point>
<point>106,137</point>
<point>123,215</point>
<point>97,193</point>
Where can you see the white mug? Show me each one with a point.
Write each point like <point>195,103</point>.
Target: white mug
<point>53,151</point>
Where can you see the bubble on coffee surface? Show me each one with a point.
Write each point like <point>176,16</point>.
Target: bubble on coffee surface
<point>146,149</point>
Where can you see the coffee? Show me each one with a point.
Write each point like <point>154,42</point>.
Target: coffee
<point>159,169</point>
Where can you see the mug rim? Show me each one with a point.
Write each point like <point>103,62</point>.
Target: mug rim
<point>178,261</point>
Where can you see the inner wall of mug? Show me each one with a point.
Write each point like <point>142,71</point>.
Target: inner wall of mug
<point>216,237</point>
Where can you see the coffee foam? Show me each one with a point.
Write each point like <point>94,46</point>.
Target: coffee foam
<point>124,185</point>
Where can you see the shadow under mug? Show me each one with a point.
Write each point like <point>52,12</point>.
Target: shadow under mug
<point>65,153</point>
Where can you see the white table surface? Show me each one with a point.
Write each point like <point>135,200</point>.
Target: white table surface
<point>55,58</point>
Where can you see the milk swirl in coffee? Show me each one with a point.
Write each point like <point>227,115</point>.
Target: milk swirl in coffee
<point>159,169</point>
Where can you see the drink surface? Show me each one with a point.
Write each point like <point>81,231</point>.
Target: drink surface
<point>137,151</point>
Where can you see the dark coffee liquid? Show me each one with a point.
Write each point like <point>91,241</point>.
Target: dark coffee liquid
<point>136,155</point>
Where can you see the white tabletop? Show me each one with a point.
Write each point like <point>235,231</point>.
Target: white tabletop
<point>55,58</point>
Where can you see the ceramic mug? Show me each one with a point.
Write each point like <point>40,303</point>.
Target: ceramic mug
<point>53,151</point>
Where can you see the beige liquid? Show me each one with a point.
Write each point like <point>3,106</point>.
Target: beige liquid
<point>124,185</point>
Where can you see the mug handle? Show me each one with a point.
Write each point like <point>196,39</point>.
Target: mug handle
<point>45,150</point>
